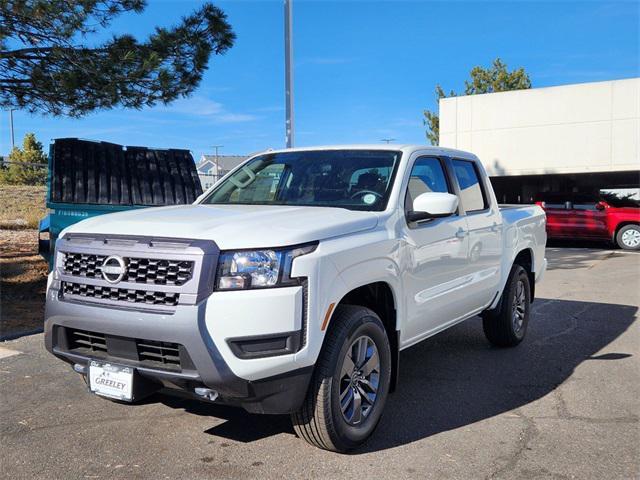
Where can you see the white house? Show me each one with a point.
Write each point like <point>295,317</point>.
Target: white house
<point>211,167</point>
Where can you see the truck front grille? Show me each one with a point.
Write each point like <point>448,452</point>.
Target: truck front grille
<point>157,271</point>
<point>147,353</point>
<point>159,352</point>
<point>144,273</point>
<point>80,339</point>
<point>120,294</point>
<point>138,270</point>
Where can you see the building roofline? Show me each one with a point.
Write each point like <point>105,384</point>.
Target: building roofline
<point>536,89</point>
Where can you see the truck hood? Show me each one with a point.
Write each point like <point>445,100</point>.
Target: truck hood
<point>232,226</point>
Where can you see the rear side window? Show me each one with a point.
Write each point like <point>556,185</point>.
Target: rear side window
<point>555,206</point>
<point>472,192</point>
<point>427,175</point>
<point>584,206</point>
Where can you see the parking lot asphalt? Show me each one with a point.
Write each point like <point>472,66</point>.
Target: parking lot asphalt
<point>564,404</point>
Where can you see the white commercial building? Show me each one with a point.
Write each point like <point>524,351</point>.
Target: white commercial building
<point>553,138</point>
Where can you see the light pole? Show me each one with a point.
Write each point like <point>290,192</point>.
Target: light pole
<point>288,71</point>
<point>13,142</point>
<point>387,140</point>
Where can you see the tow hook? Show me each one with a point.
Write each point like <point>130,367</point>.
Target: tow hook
<point>80,368</point>
<point>206,393</point>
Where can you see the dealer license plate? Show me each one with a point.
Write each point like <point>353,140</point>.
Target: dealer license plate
<point>109,380</point>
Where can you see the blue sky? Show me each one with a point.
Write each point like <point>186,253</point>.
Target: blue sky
<point>363,70</point>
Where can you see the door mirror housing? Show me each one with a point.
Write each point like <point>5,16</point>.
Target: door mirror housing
<point>433,205</point>
<point>601,205</point>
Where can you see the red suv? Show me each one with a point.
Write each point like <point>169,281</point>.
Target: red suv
<point>613,215</point>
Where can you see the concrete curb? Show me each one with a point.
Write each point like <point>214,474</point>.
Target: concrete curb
<point>14,336</point>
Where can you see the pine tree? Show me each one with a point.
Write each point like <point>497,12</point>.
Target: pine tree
<point>27,166</point>
<point>496,78</point>
<point>48,63</point>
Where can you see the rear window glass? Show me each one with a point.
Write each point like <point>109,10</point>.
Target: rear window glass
<point>471,191</point>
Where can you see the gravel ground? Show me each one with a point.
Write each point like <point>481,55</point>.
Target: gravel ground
<point>562,405</point>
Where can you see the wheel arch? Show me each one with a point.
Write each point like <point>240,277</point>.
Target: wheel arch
<point>381,298</point>
<point>524,258</point>
<point>619,226</point>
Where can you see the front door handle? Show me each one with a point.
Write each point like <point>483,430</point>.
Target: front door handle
<point>461,233</point>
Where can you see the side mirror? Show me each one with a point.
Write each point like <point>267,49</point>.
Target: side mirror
<point>601,206</point>
<point>433,205</point>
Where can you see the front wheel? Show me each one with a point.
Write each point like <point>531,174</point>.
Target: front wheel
<point>506,326</point>
<point>350,383</point>
<point>628,237</point>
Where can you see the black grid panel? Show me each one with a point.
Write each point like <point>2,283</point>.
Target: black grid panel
<point>120,294</point>
<point>154,271</point>
<point>150,353</point>
<point>102,173</point>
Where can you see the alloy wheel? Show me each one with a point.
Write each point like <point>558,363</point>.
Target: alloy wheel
<point>359,379</point>
<point>519,306</point>
<point>631,238</point>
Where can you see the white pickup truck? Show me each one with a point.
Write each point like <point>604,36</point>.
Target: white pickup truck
<point>292,285</point>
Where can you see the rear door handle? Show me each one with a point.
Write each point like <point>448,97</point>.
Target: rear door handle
<point>461,233</point>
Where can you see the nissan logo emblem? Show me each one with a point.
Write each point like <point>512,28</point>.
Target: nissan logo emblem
<point>113,269</point>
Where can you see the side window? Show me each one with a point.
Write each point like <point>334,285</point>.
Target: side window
<point>471,190</point>
<point>585,206</point>
<point>555,206</point>
<point>427,175</point>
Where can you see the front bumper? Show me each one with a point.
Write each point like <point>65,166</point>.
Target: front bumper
<point>205,365</point>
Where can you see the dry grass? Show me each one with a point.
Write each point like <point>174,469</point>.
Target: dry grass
<point>23,279</point>
<point>21,207</point>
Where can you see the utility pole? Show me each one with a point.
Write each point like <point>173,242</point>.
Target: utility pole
<point>13,142</point>
<point>216,147</point>
<point>288,71</point>
<point>387,140</point>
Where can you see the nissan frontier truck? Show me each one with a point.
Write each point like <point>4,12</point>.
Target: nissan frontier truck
<point>292,285</point>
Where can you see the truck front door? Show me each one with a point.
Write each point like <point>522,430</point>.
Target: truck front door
<point>435,269</point>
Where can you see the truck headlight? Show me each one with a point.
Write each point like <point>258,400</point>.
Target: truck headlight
<point>244,269</point>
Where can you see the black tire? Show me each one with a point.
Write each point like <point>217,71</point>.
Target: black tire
<point>627,237</point>
<point>500,326</point>
<point>320,420</point>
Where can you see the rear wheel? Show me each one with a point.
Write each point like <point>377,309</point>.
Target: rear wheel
<point>350,383</point>
<point>507,325</point>
<point>628,237</point>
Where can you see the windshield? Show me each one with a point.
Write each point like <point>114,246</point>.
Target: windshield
<point>353,179</point>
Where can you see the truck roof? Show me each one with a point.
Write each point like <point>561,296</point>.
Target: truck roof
<point>406,148</point>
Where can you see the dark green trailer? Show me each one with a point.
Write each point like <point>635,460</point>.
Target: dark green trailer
<point>88,178</point>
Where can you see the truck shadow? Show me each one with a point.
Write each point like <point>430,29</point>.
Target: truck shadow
<point>456,378</point>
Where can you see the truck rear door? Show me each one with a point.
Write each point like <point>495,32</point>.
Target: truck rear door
<point>589,218</point>
<point>484,223</point>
